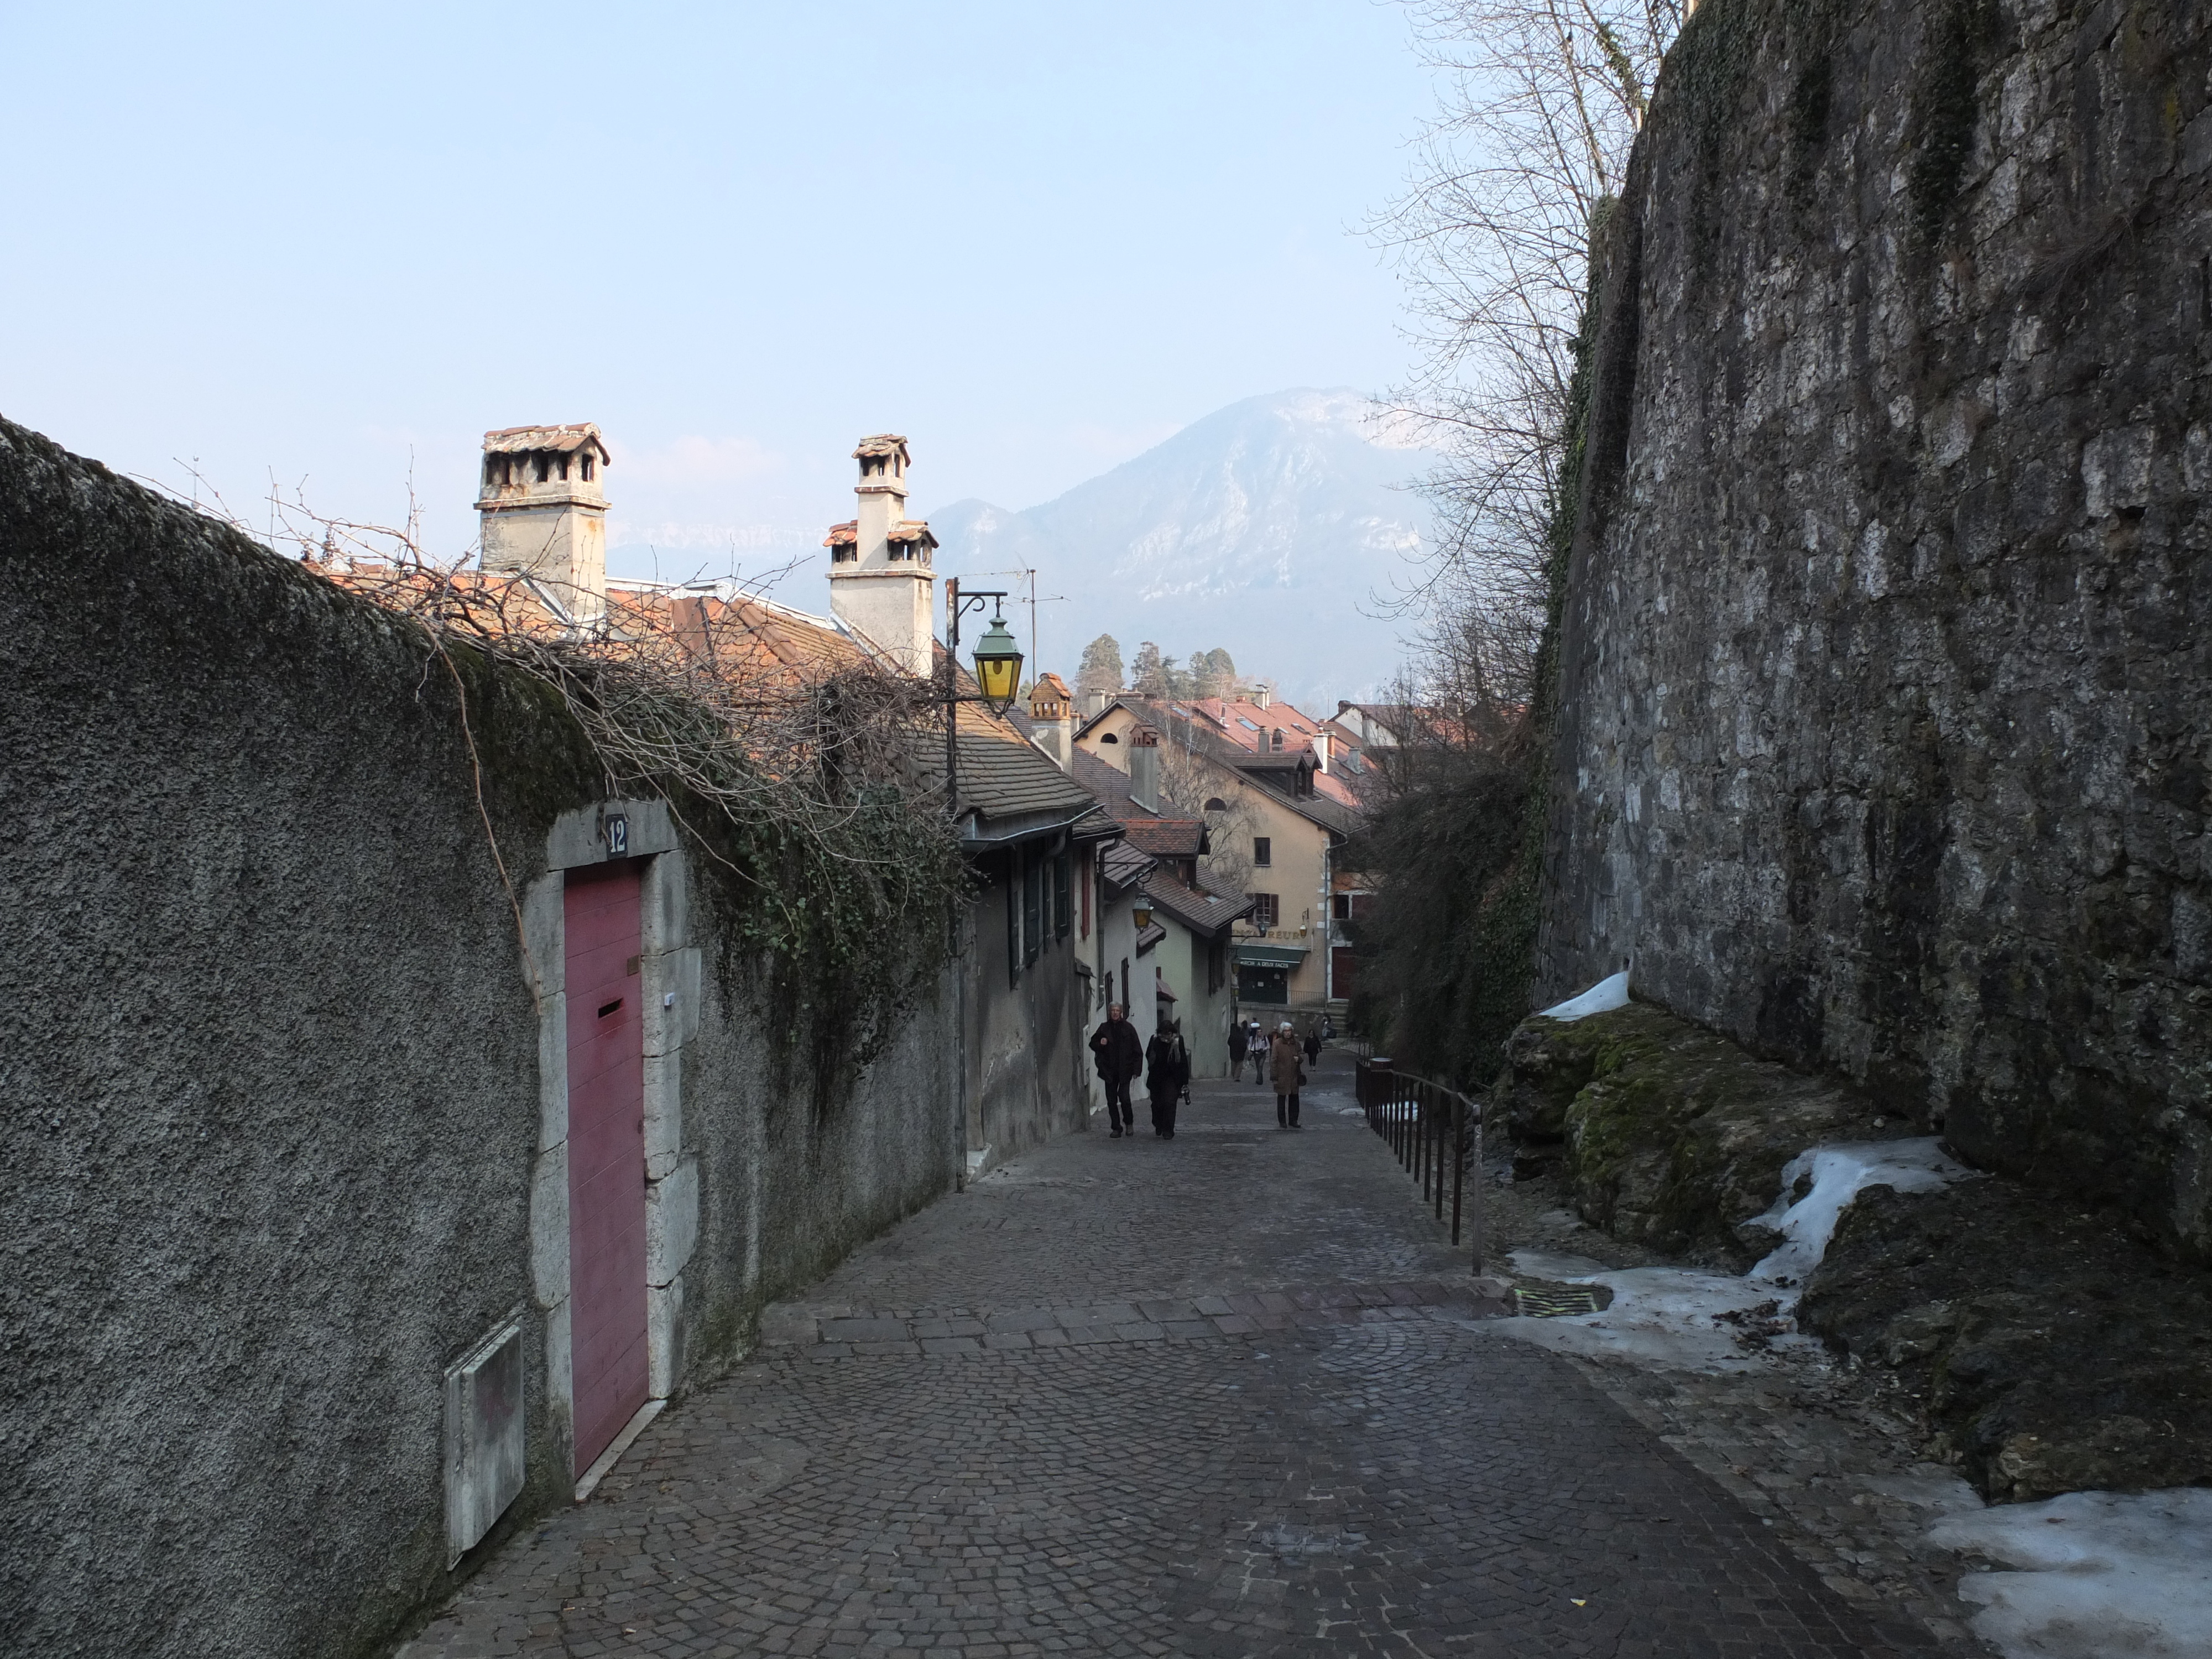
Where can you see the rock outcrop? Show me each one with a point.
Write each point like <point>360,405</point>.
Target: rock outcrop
<point>2046,1352</point>
<point>1885,732</point>
<point>1669,1136</point>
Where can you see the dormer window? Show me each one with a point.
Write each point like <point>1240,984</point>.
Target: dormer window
<point>564,469</point>
<point>545,466</point>
<point>590,465</point>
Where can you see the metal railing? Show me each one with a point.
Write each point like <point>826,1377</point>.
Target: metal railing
<point>1434,1131</point>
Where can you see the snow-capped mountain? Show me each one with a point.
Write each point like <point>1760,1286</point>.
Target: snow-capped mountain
<point>1269,528</point>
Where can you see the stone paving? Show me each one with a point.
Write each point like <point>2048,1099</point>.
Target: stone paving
<point>1228,1395</point>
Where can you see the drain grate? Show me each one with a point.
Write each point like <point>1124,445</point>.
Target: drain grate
<point>1554,1303</point>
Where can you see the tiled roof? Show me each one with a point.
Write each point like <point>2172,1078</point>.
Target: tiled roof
<point>1166,838</point>
<point>561,439</point>
<point>883,443</point>
<point>1336,805</point>
<point>1202,908</point>
<point>842,535</point>
<point>1123,865</point>
<point>901,530</point>
<point>1002,775</point>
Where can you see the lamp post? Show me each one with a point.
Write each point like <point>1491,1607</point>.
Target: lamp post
<point>998,671</point>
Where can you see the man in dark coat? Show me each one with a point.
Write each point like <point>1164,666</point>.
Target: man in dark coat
<point>1119,1053</point>
<point>1237,1043</point>
<point>1167,1070</point>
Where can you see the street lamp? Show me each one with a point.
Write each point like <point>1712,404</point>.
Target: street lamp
<point>998,671</point>
<point>997,666</point>
<point>1141,914</point>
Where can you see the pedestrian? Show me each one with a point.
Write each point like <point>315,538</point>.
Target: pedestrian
<point>1258,1045</point>
<point>1328,1029</point>
<point>1313,1048</point>
<point>1167,1068</point>
<point>1237,1044</point>
<point>1119,1056</point>
<point>1286,1066</point>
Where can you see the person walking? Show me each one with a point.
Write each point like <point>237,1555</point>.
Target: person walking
<point>1237,1044</point>
<point>1286,1066</point>
<point>1313,1048</point>
<point>1167,1068</point>
<point>1258,1045</point>
<point>1119,1056</point>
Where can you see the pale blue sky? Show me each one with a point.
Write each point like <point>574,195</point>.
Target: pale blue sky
<point>1035,239</point>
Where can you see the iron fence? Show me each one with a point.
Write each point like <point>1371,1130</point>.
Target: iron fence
<point>1434,1131</point>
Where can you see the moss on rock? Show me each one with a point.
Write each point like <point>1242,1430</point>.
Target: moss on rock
<point>1670,1136</point>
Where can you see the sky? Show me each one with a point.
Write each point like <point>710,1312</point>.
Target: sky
<point>331,246</point>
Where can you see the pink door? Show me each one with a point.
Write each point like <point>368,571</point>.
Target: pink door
<point>606,1155</point>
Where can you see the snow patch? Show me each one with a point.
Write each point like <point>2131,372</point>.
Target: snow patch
<point>1838,1175</point>
<point>2100,1575</point>
<point>1678,1319</point>
<point>1667,1318</point>
<point>1601,998</point>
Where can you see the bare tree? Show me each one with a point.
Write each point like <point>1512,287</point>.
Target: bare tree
<point>1542,100</point>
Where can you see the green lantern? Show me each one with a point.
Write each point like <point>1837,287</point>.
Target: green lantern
<point>998,665</point>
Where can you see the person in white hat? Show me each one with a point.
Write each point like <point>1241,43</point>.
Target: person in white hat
<point>1286,1069</point>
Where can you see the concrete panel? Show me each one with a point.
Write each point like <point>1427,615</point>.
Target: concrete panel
<point>664,1337</point>
<point>542,936</point>
<point>580,837</point>
<point>548,1226</point>
<point>552,1070</point>
<point>669,1025</point>
<point>664,1113</point>
<point>672,1224</point>
<point>484,1437</point>
<point>666,921</point>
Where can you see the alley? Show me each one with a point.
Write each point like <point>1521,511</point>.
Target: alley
<point>1228,1395</point>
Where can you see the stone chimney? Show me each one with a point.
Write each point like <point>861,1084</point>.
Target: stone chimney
<point>1261,695</point>
<point>881,584</point>
<point>1052,717</point>
<point>544,513</point>
<point>1144,768</point>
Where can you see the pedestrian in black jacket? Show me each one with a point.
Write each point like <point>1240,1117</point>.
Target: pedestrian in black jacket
<point>1120,1056</point>
<point>1167,1064</point>
<point>1237,1044</point>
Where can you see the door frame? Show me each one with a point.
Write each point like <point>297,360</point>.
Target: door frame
<point>669,972</point>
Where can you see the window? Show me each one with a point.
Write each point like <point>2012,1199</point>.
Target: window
<point>1340,906</point>
<point>1086,895</point>
<point>1249,725</point>
<point>1263,850</point>
<point>1059,905</point>
<point>1109,738</point>
<point>1267,908</point>
<point>590,466</point>
<point>1013,918</point>
<point>544,467</point>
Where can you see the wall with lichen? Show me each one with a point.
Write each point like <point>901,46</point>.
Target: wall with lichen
<point>1885,723</point>
<point>270,1073</point>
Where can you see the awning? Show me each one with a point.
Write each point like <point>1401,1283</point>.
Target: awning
<point>1270,956</point>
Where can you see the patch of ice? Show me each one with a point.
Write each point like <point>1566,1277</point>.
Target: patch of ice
<point>1670,1318</point>
<point>1677,1319</point>
<point>1839,1173</point>
<point>1601,998</point>
<point>2101,1574</point>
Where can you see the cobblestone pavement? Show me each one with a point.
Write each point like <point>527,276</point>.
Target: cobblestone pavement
<point>1229,1395</point>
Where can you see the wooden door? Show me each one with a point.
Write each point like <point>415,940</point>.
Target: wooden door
<point>606,1155</point>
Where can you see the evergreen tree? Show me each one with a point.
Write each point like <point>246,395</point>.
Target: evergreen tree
<point>1147,678</point>
<point>1101,671</point>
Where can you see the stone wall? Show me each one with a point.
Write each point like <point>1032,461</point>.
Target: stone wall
<point>282,1136</point>
<point>1885,712</point>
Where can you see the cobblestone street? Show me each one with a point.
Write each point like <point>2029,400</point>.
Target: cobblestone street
<point>1228,1395</point>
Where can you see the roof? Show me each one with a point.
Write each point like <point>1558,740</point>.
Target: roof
<point>561,439</point>
<point>901,530</point>
<point>1198,726</point>
<point>883,443</point>
<point>1050,684</point>
<point>1001,773</point>
<point>1205,910</point>
<point>1166,838</point>
<point>1123,865</point>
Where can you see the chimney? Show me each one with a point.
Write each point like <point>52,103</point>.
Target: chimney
<point>1261,695</point>
<point>1052,717</point>
<point>542,514</point>
<point>881,584</point>
<point>1144,768</point>
<point>1320,750</point>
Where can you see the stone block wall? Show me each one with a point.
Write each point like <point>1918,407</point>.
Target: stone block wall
<point>1886,722</point>
<point>284,1130</point>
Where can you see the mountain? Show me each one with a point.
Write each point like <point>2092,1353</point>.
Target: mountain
<point>1269,527</point>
